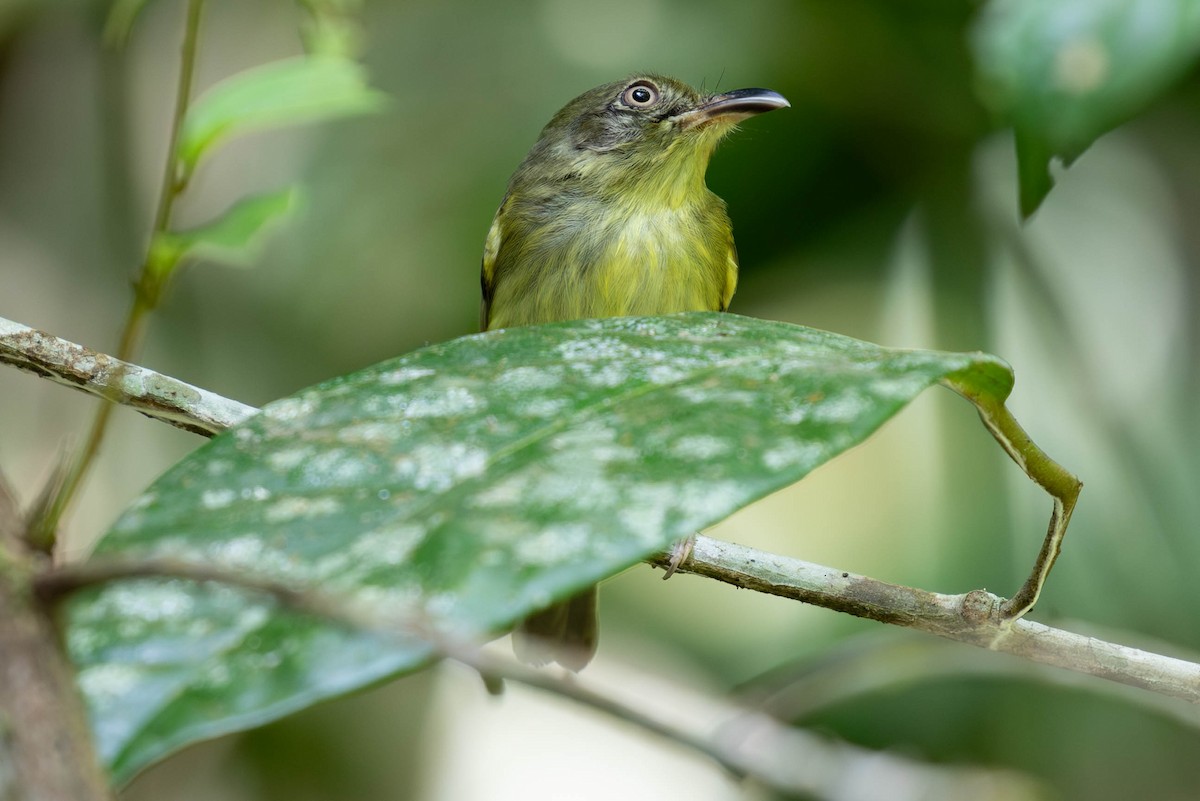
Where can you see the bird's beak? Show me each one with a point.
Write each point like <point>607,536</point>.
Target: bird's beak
<point>732,107</point>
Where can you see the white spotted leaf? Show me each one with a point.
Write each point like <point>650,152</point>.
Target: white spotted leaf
<point>470,482</point>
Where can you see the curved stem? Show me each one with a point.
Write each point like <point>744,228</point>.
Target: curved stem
<point>1062,486</point>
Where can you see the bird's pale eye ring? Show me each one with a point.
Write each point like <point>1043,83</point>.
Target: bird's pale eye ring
<point>640,95</point>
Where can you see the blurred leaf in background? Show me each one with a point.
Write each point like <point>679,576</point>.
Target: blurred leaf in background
<point>1063,73</point>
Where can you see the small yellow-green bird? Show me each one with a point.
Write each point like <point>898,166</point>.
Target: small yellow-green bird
<point>609,215</point>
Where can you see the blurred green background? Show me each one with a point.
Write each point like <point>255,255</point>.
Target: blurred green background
<point>882,205</point>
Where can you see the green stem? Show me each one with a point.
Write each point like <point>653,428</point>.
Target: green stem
<point>172,184</point>
<point>147,293</point>
<point>1062,485</point>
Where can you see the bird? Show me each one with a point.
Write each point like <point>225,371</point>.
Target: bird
<point>609,215</point>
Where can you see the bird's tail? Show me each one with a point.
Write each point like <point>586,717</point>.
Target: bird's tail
<point>565,633</point>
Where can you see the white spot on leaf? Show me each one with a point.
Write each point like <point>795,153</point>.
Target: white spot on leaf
<point>454,402</point>
<point>285,460</point>
<point>700,447</point>
<point>843,408</point>
<point>665,374</point>
<point>403,375</point>
<point>388,546</point>
<point>290,409</point>
<point>607,375</point>
<point>435,467</point>
<point>286,509</point>
<point>254,493</point>
<point>217,499</point>
<point>337,466</point>
<point>369,433</point>
<point>553,545</point>
<point>541,407</point>
<point>790,453</point>
<point>528,379</point>
<point>505,492</point>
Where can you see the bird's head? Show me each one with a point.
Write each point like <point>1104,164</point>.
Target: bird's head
<point>647,130</point>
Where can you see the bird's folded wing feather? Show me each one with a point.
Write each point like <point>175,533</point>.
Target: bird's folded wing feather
<point>487,277</point>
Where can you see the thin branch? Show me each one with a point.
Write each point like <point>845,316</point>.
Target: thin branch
<point>747,744</point>
<point>153,394</point>
<point>756,746</point>
<point>885,659</point>
<point>53,586</point>
<point>975,618</point>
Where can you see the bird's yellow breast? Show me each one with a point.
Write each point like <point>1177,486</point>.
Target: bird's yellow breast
<point>589,257</point>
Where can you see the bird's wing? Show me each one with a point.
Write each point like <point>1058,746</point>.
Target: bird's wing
<point>731,272</point>
<point>487,277</point>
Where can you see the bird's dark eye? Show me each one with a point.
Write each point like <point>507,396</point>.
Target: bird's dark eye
<point>640,95</point>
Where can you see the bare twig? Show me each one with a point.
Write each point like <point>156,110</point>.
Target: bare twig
<point>748,744</point>
<point>976,618</point>
<point>153,394</point>
<point>885,659</point>
<point>53,586</point>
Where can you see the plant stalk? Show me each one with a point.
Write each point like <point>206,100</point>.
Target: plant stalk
<point>147,293</point>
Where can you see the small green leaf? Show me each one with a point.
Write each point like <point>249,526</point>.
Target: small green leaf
<point>290,92</point>
<point>234,239</point>
<point>471,483</point>
<point>1065,72</point>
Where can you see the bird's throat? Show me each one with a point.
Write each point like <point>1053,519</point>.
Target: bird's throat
<point>672,177</point>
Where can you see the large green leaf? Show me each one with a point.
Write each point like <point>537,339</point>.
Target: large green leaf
<point>1067,71</point>
<point>472,482</point>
